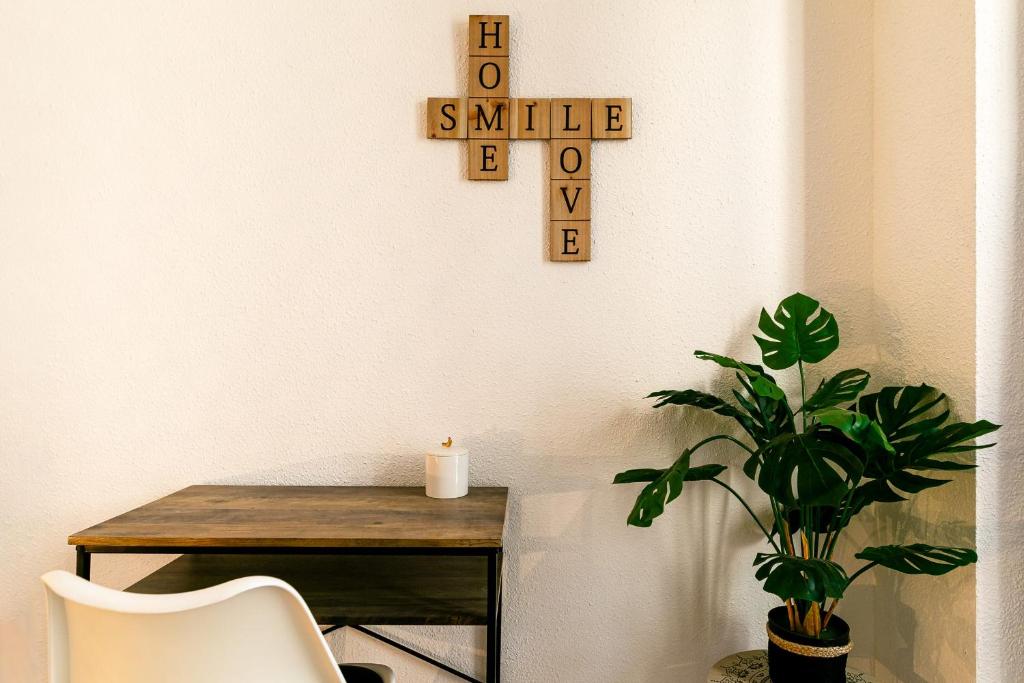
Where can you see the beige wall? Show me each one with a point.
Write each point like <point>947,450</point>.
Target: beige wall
<point>924,286</point>
<point>228,254</point>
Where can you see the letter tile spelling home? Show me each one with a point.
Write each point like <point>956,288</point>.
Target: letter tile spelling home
<point>489,118</point>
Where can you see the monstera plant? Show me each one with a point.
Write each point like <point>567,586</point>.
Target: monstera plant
<point>818,464</point>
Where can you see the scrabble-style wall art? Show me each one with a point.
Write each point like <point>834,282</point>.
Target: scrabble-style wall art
<point>489,118</point>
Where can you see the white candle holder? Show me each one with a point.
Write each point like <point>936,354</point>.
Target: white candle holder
<point>447,471</point>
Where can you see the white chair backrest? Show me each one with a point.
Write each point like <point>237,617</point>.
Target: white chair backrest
<point>256,629</point>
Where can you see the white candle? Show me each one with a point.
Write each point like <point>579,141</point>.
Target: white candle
<point>447,471</point>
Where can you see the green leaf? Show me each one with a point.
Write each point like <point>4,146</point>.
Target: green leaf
<point>919,558</point>
<point>704,401</point>
<point>633,476</point>
<point>844,386</point>
<point>702,473</point>
<point>767,388</point>
<point>897,409</point>
<point>804,469</point>
<point>950,438</point>
<point>662,490</point>
<point>765,403</point>
<point>664,487</point>
<point>772,418</point>
<point>930,464</point>
<point>800,331</point>
<point>915,425</point>
<point>874,491</point>
<point>697,399</point>
<point>794,577</point>
<point>857,426</point>
<point>750,466</point>
<point>762,384</point>
<point>914,483</point>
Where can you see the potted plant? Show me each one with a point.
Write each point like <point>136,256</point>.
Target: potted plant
<point>819,465</point>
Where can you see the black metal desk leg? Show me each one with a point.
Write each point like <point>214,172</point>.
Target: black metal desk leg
<point>494,617</point>
<point>497,627</point>
<point>83,562</point>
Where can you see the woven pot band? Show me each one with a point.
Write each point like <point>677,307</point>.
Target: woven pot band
<point>809,650</point>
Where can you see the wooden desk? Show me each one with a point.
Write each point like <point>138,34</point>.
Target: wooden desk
<point>359,555</point>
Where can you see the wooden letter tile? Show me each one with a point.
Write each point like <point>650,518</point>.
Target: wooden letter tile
<point>488,159</point>
<point>446,118</point>
<point>612,118</point>
<point>488,118</point>
<point>531,119</point>
<point>488,35</point>
<point>570,200</point>
<point>570,118</point>
<point>570,159</point>
<point>488,76</point>
<point>569,241</point>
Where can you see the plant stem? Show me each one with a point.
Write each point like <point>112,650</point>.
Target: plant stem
<point>777,514</point>
<point>803,419</point>
<point>843,521</point>
<point>830,542</point>
<point>860,571</point>
<point>803,528</point>
<point>739,443</point>
<point>825,545</point>
<point>789,612</point>
<point>803,395</point>
<point>817,525</point>
<point>789,538</point>
<point>718,437</point>
<point>831,548</point>
<point>752,515</point>
<point>828,615</point>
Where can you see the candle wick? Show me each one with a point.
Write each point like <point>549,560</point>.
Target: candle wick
<point>448,443</point>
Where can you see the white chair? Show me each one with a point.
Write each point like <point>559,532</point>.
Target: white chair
<point>253,630</point>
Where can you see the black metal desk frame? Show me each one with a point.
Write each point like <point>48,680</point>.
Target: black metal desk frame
<point>83,567</point>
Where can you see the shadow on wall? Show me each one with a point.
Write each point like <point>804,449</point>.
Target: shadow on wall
<point>905,604</point>
<point>841,239</point>
<point>901,652</point>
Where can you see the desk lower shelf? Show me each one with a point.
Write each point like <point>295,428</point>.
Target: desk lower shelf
<point>349,589</point>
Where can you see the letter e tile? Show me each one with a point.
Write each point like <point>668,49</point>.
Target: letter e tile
<point>488,159</point>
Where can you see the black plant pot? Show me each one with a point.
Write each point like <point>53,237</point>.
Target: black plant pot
<point>796,658</point>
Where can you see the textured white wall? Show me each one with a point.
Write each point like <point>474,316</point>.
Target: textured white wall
<point>1000,303</point>
<point>228,254</point>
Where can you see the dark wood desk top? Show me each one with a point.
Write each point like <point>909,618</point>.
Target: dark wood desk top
<point>306,517</point>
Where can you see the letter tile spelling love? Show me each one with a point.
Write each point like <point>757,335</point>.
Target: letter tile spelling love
<point>489,118</point>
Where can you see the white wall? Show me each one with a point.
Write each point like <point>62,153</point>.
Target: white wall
<point>1000,304</point>
<point>229,254</point>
